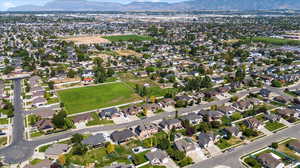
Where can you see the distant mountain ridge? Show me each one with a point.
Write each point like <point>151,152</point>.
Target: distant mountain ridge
<point>84,5</point>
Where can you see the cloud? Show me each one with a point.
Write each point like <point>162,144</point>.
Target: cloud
<point>5,5</point>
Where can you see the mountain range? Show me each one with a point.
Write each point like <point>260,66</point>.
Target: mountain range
<point>85,5</point>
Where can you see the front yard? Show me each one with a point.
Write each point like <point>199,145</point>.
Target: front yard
<point>97,121</point>
<point>224,143</point>
<point>273,126</point>
<point>94,97</point>
<point>101,157</point>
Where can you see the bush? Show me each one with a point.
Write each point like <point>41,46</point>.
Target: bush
<point>252,162</point>
<point>186,161</point>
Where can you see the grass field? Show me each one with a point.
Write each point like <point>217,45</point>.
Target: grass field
<point>128,38</point>
<point>275,41</point>
<point>93,97</point>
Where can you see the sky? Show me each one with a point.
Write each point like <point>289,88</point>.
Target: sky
<point>5,4</point>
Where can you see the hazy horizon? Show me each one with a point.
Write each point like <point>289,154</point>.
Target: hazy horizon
<point>13,3</point>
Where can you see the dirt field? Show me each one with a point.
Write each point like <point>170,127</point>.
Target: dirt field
<point>87,40</point>
<point>127,53</point>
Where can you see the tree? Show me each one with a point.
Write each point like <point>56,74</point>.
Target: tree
<point>71,74</point>
<point>274,145</point>
<point>176,154</point>
<point>164,144</point>
<point>59,119</point>
<point>51,85</point>
<point>79,149</point>
<point>215,124</point>
<point>172,134</point>
<point>236,116</point>
<point>110,148</point>
<point>276,83</point>
<point>76,138</point>
<point>61,159</point>
<point>240,74</point>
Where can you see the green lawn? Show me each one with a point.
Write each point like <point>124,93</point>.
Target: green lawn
<point>100,157</point>
<point>272,126</point>
<point>128,38</point>
<point>275,41</point>
<point>93,97</point>
<point>36,134</point>
<point>97,121</point>
<point>152,166</point>
<point>223,143</point>
<point>44,148</point>
<point>3,141</point>
<point>3,121</point>
<point>35,161</point>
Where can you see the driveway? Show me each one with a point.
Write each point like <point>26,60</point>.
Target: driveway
<point>266,131</point>
<point>122,119</point>
<point>214,150</point>
<point>170,164</point>
<point>197,155</point>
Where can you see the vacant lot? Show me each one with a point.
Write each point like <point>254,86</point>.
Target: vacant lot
<point>93,97</point>
<point>128,38</point>
<point>87,40</point>
<point>127,53</point>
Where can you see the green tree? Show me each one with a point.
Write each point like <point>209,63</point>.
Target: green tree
<point>76,138</point>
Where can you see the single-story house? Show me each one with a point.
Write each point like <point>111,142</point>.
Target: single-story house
<point>206,139</point>
<point>234,131</point>
<point>253,123</point>
<point>157,157</point>
<point>268,160</point>
<point>44,125</point>
<point>185,145</point>
<point>146,130</point>
<point>294,145</point>
<point>193,118</point>
<point>94,140</point>
<point>82,119</point>
<point>171,123</point>
<point>122,136</point>
<point>55,150</point>
<point>110,113</point>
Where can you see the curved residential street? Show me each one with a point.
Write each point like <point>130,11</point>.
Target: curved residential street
<point>21,149</point>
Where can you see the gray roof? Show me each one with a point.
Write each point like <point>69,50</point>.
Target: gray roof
<point>94,140</point>
<point>158,154</point>
<point>39,100</point>
<point>191,117</point>
<point>268,160</point>
<point>185,145</point>
<point>57,149</point>
<point>169,122</point>
<point>120,136</point>
<point>205,138</point>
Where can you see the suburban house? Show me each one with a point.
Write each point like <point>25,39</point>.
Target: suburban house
<point>206,139</point>
<point>294,145</point>
<point>234,131</point>
<point>171,123</point>
<point>82,119</point>
<point>211,115</point>
<point>227,110</point>
<point>94,140</point>
<point>146,130</point>
<point>286,112</point>
<point>281,99</point>
<point>193,118</point>
<point>272,117</point>
<point>132,110</point>
<point>151,107</point>
<point>265,93</point>
<point>45,112</point>
<point>157,157</point>
<point>185,145</point>
<point>167,102</point>
<point>55,150</point>
<point>44,125</point>
<point>253,123</point>
<point>39,101</point>
<point>269,160</point>
<point>122,136</point>
<point>242,105</point>
<point>109,113</point>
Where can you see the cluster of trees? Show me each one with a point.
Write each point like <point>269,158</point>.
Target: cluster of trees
<point>101,74</point>
<point>61,121</point>
<point>198,83</point>
<point>8,108</point>
<point>78,147</point>
<point>141,90</point>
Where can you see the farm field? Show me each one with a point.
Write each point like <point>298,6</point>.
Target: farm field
<point>86,40</point>
<point>127,38</point>
<point>93,97</point>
